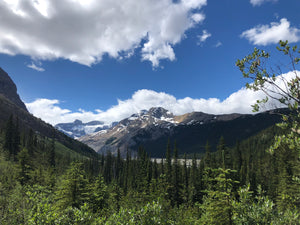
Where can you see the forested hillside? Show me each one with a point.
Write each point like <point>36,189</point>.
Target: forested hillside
<point>41,183</point>
<point>14,110</point>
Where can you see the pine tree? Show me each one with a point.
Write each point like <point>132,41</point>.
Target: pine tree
<point>288,189</point>
<point>98,197</point>
<point>51,154</point>
<point>168,163</point>
<point>108,167</point>
<point>168,170</point>
<point>207,157</point>
<point>73,188</point>
<point>176,182</point>
<point>30,141</point>
<point>220,154</point>
<point>217,206</point>
<point>16,137</point>
<point>155,170</point>
<point>127,172</point>
<point>185,175</point>
<point>12,138</point>
<point>195,182</point>
<point>118,167</point>
<point>24,166</point>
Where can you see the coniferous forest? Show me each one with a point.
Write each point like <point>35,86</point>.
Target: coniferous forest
<point>254,182</point>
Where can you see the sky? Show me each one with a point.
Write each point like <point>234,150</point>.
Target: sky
<point>105,60</point>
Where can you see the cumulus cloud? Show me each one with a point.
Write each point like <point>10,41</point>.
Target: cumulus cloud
<point>36,67</point>
<point>202,38</point>
<point>272,34</point>
<point>84,30</point>
<point>237,102</point>
<point>260,2</point>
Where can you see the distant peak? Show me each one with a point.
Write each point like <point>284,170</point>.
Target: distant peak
<point>158,112</point>
<point>78,122</point>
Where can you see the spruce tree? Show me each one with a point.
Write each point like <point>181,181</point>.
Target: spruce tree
<point>217,206</point>
<point>185,175</point>
<point>12,138</point>
<point>98,196</point>
<point>176,181</point>
<point>73,188</point>
<point>51,154</point>
<point>168,163</point>
<point>207,157</point>
<point>24,166</point>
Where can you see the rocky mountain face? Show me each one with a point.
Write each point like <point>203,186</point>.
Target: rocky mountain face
<point>9,90</point>
<point>11,104</point>
<point>152,129</point>
<point>78,128</point>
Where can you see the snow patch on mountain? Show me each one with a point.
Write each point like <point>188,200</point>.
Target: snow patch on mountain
<point>78,128</point>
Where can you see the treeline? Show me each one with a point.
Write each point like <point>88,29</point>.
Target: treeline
<point>43,182</point>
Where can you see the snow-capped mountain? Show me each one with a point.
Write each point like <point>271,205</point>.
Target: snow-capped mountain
<point>121,135</point>
<point>78,128</point>
<point>153,128</point>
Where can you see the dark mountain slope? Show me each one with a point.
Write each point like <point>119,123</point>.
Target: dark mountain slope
<point>192,138</point>
<point>10,104</point>
<point>9,90</point>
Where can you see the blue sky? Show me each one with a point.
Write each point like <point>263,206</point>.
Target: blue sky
<point>107,60</point>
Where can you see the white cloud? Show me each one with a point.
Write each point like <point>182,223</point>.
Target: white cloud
<point>35,67</point>
<point>219,43</point>
<point>260,2</point>
<point>197,17</point>
<point>272,34</point>
<point>83,31</point>
<point>238,102</point>
<point>202,38</point>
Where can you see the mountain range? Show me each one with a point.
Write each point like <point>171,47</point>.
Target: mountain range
<point>153,129</point>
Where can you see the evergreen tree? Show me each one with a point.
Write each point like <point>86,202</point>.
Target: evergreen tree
<point>108,167</point>
<point>220,154</point>
<point>217,205</point>
<point>51,154</point>
<point>168,163</point>
<point>142,170</point>
<point>207,157</point>
<point>176,182</point>
<point>195,182</point>
<point>12,138</point>
<point>118,167</point>
<point>31,141</point>
<point>98,196</point>
<point>9,133</point>
<point>115,196</point>
<point>16,138</point>
<point>73,188</point>
<point>155,170</point>
<point>24,166</point>
<point>236,157</point>
<point>127,171</point>
<point>288,192</point>
<point>185,175</point>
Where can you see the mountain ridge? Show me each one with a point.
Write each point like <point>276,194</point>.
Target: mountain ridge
<point>10,106</point>
<point>9,89</point>
<point>154,127</point>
